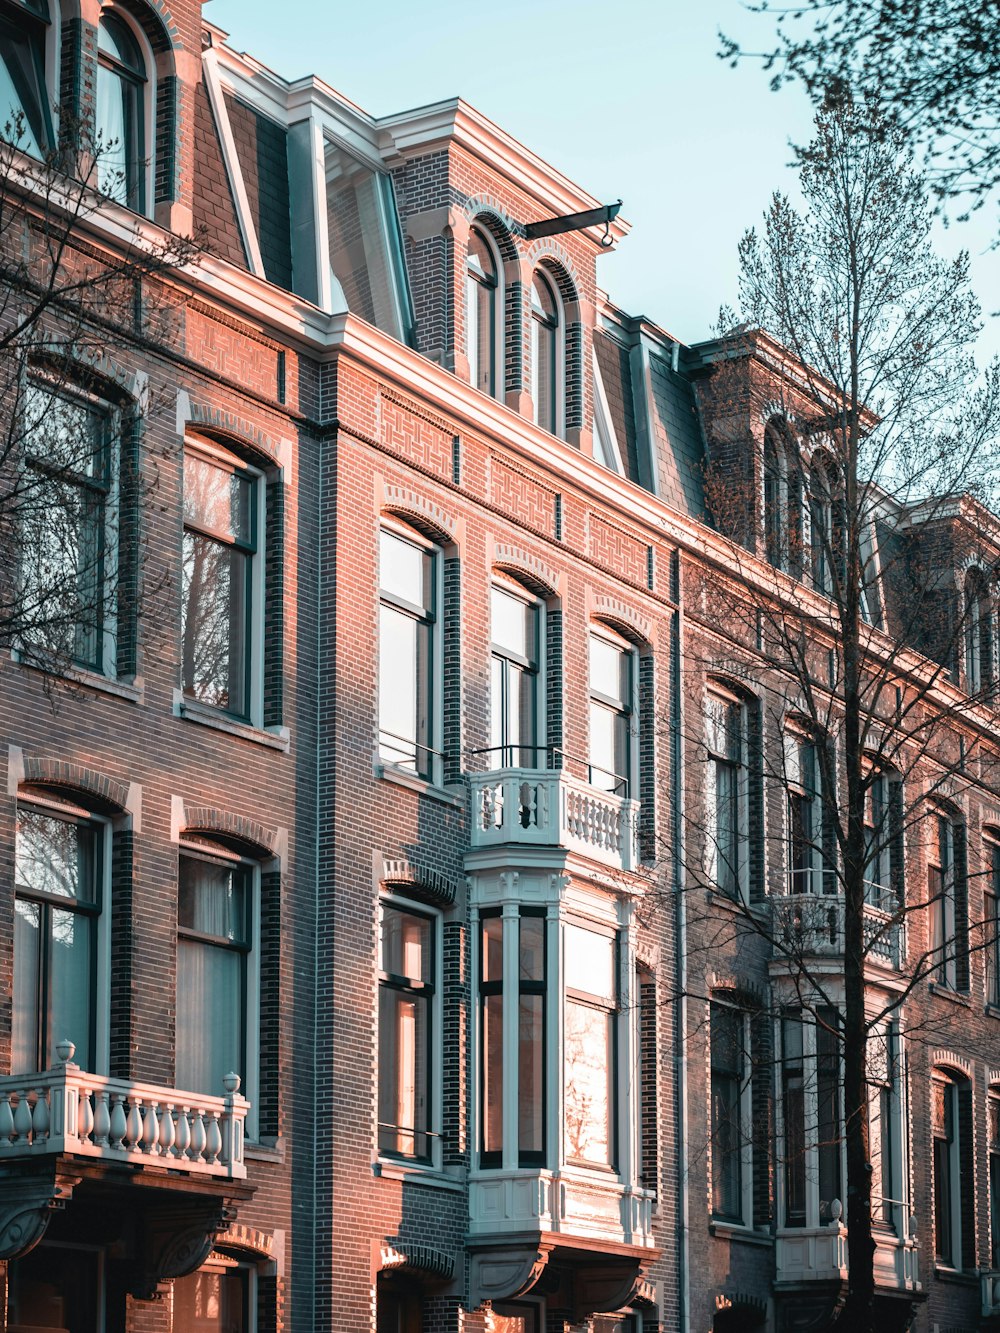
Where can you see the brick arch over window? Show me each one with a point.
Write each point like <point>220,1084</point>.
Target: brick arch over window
<point>105,793</point>
<point>248,833</point>
<point>156,22</point>
<point>535,574</point>
<point>234,432</point>
<point>556,267</point>
<point>419,881</point>
<point>489,217</point>
<point>426,516</point>
<point>624,618</point>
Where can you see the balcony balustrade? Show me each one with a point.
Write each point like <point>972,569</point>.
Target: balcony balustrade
<point>819,1254</point>
<point>551,808</point>
<point>571,1203</point>
<point>813,924</point>
<point>66,1110</point>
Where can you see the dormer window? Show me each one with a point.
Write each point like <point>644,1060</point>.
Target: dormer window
<point>24,103</point>
<point>482,289</point>
<point>545,386</point>
<point>121,131</point>
<point>978,633</point>
<point>782,501</point>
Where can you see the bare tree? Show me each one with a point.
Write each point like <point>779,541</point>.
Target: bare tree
<point>79,278</point>
<point>933,64</point>
<point>852,451</point>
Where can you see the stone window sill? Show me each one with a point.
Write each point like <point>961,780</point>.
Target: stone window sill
<point>417,1173</point>
<point>132,691</point>
<point>743,1234</point>
<point>272,738</point>
<point>402,777</point>
<point>946,993</point>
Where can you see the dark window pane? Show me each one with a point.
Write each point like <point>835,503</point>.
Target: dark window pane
<point>215,624</point>
<point>530,1073</point>
<point>212,1302</point>
<point>23,96</point>
<point>406,945</point>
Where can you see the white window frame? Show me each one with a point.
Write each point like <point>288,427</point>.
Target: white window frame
<point>435,685</point>
<point>65,809</point>
<point>953,1261</point>
<point>223,1263</point>
<point>217,454</point>
<point>435,1065</point>
<point>513,589</point>
<point>821,878</point>
<point>599,630</point>
<point>745,1218</point>
<point>148,108</point>
<point>603,421</point>
<point>559,352</point>
<point>250,1088</point>
<point>716,691</point>
<point>810,1122</point>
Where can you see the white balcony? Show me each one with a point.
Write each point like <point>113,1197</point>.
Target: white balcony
<point>66,1110</point>
<point>819,1254</point>
<point>574,1204</point>
<point>549,808</point>
<point>813,924</point>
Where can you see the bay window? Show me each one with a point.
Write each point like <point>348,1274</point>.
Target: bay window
<point>68,509</point>
<point>726,728</point>
<point>514,694</point>
<point>408,652</point>
<point>60,919</point>
<point>811,1117</point>
<point>221,592</point>
<point>612,712</point>
<point>121,100</point>
<point>217,952</point>
<point>589,1016</point>
<point>24,99</point>
<point>884,1125</point>
<point>405,1031</point>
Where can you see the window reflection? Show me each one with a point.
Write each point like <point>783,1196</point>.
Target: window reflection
<point>121,136</point>
<point>24,102</point>
<point>591,1004</point>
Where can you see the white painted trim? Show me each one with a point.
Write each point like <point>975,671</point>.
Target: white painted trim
<point>603,411</point>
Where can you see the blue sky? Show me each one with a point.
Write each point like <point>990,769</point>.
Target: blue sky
<point>626,97</point>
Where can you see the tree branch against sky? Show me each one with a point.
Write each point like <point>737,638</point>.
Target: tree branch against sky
<point>865,500</point>
<point>933,64</point>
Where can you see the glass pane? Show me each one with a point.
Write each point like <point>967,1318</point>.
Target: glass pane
<point>512,624</point>
<point>217,500</point>
<point>213,899</point>
<point>480,333</point>
<point>403,1073</point>
<point>211,990</point>
<point>56,856</point>
<point>590,962</point>
<point>530,1073</point>
<point>207,1302</point>
<point>404,569</point>
<point>214,627</point>
<point>493,1074</point>
<point>55,1288</point>
<point>608,670</point>
<point>71,985</point>
<point>543,373</point>
<point>360,249</point>
<point>492,948</point>
<point>27,1019</point>
<point>498,733</point>
<point>727,826</point>
<point>23,98</point>
<point>589,1073</point>
<point>406,945</point>
<point>65,433</point>
<point>531,956</point>
<point>402,723</point>
<point>608,749</point>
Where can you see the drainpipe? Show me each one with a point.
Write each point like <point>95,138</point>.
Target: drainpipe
<point>680,1036</point>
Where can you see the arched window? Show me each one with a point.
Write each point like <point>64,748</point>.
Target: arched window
<point>409,649</point>
<point>121,129</point>
<point>952,1164</point>
<point>782,501</point>
<point>545,377</point>
<point>483,301</point>
<point>826,525</point>
<point>24,101</point>
<point>979,633</point>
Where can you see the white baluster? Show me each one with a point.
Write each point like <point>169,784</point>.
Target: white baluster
<point>150,1127</point>
<point>182,1136</point>
<point>6,1123</point>
<point>213,1138</point>
<point>40,1118</point>
<point>133,1125</point>
<point>119,1123</point>
<point>197,1136</point>
<point>85,1116</point>
<point>102,1118</point>
<point>22,1119</point>
<point>166,1130</point>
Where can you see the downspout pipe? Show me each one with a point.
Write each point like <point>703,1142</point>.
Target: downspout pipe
<point>680,1008</point>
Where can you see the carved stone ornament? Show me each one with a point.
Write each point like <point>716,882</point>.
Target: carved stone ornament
<point>502,1275</point>
<point>26,1205</point>
<point>178,1241</point>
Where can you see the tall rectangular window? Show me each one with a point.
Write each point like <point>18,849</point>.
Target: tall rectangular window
<point>991,916</point>
<point>491,1040</point>
<point>793,1118</point>
<point>947,1170</point>
<point>514,680</point>
<point>58,874</point>
<point>808,870</point>
<point>407,618</point>
<point>611,713</point>
<point>829,1121</point>
<point>993,1148</point>
<point>883,1151</point>
<point>946,898</point>
<point>405,1025</point>
<point>883,843</point>
<point>24,100</point>
<point>726,738</point>
<point>730,1112</point>
<point>590,1045</point>
<point>219,598</point>
<point>67,509</point>
<point>215,923</point>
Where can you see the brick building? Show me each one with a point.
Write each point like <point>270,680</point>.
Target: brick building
<point>392,809</point>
